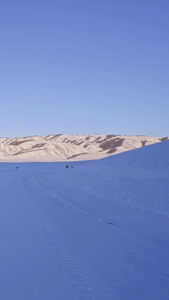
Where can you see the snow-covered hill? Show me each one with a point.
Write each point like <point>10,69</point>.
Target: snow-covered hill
<point>96,230</point>
<point>68,147</point>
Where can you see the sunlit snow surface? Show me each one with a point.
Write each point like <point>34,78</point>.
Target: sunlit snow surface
<point>98,230</point>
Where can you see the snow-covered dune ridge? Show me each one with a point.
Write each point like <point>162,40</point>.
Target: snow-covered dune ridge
<point>138,178</point>
<point>151,157</point>
<point>63,147</point>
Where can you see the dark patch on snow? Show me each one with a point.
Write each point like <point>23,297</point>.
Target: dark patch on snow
<point>17,143</point>
<point>76,155</point>
<point>77,143</point>
<point>85,145</point>
<point>99,140</point>
<point>27,151</point>
<point>49,137</point>
<point>38,145</point>
<point>73,141</point>
<point>143,143</point>
<point>164,139</point>
<point>111,145</point>
<point>20,152</point>
<point>109,136</point>
<point>110,223</point>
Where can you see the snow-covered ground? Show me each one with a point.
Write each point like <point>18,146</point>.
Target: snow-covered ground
<point>96,230</point>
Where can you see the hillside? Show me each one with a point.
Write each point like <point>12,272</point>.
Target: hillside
<point>68,147</point>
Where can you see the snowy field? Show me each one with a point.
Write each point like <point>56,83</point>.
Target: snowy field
<point>96,230</point>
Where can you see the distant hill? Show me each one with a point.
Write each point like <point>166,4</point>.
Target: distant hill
<point>63,147</point>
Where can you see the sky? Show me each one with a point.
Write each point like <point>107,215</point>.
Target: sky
<point>84,67</point>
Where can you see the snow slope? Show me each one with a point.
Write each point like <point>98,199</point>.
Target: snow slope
<point>63,147</point>
<point>96,230</point>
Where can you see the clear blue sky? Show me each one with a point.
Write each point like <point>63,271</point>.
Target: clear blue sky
<point>84,67</point>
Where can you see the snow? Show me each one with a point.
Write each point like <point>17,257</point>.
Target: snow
<point>64,147</point>
<point>96,230</point>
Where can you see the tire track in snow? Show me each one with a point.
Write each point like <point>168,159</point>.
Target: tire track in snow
<point>82,281</point>
<point>69,206</point>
